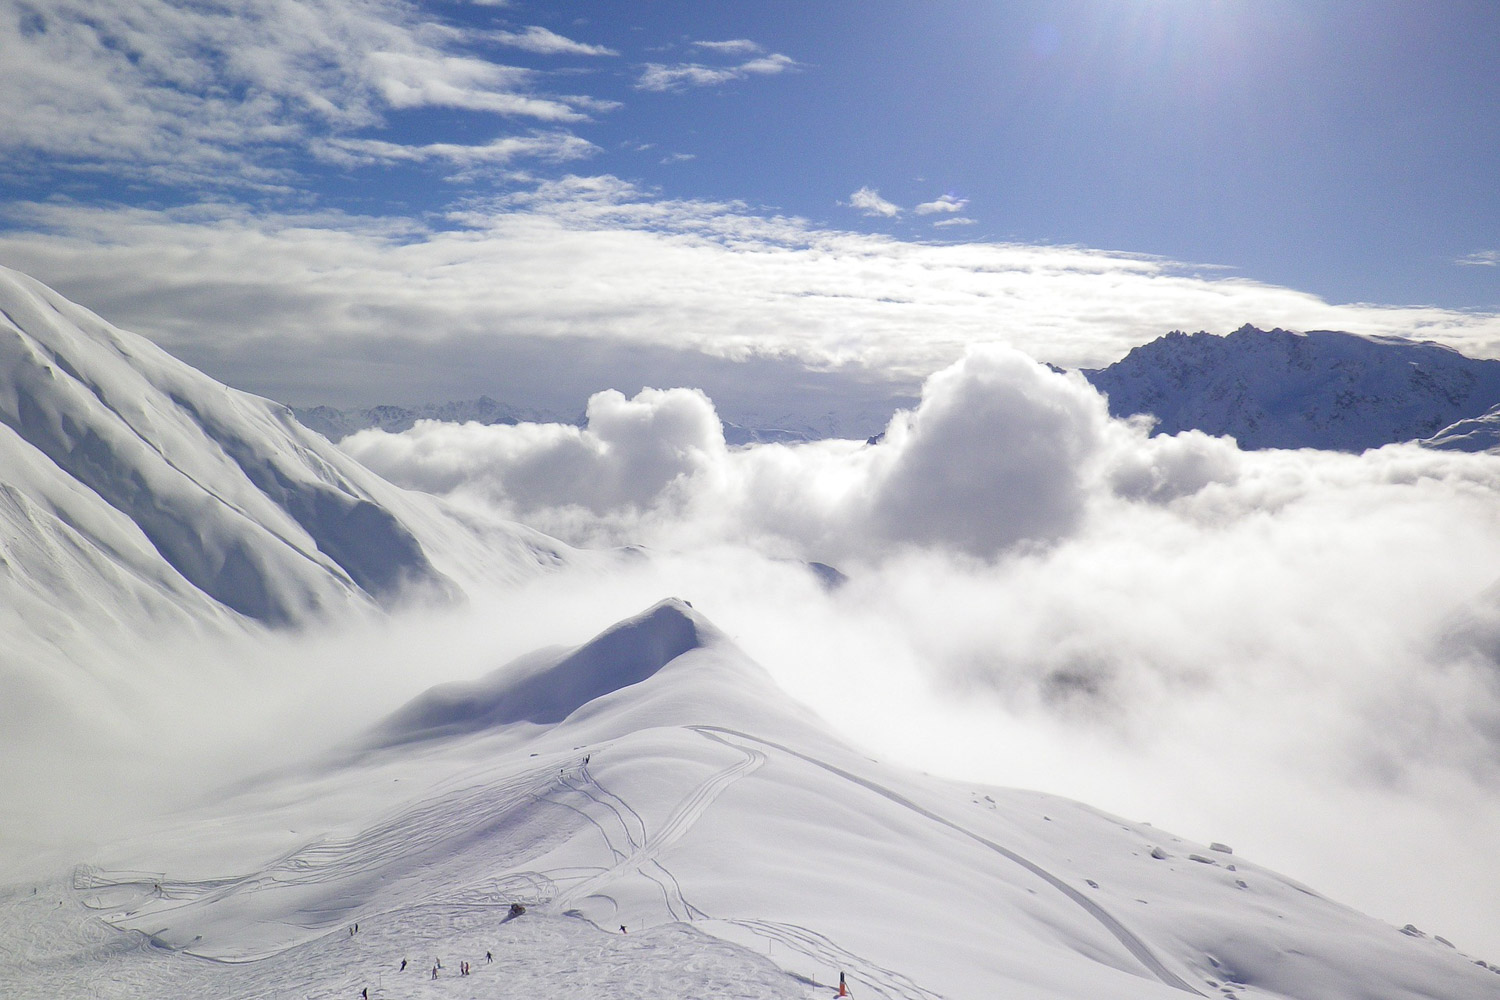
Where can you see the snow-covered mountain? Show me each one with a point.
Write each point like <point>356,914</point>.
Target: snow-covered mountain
<point>653,779</point>
<point>1481,433</point>
<point>136,490</point>
<point>673,826</point>
<point>1279,389</point>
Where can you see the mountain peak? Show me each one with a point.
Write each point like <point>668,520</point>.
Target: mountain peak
<point>182,481</point>
<point>1283,389</point>
<point>547,687</point>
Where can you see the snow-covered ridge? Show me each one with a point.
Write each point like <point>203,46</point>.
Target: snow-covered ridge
<point>134,481</point>
<point>1279,389</point>
<point>688,797</point>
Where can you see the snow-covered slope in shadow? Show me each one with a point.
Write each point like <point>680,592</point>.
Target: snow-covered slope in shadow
<point>548,686</point>
<point>135,486</point>
<point>688,792</point>
<point>1280,389</point>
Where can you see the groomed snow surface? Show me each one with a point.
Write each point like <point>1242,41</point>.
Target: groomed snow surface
<point>675,791</point>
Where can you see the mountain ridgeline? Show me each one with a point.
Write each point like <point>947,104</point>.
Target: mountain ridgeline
<point>1321,389</point>
<point>134,481</point>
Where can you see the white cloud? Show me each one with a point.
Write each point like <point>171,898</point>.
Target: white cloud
<point>327,307</point>
<point>945,203</point>
<point>203,94</point>
<point>869,202</point>
<point>954,221</point>
<point>549,146</point>
<point>1480,258</point>
<point>678,158</point>
<point>1001,451</point>
<point>1278,649</point>
<point>629,456</point>
<point>541,40</point>
<point>732,47</point>
<point>682,76</point>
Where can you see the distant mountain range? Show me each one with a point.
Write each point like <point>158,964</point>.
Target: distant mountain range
<point>1321,389</point>
<point>1265,388</point>
<point>337,424</point>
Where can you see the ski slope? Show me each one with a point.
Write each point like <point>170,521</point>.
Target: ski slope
<point>666,785</point>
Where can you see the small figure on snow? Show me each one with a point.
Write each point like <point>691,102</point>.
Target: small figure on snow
<point>403,965</point>
<point>434,972</point>
<point>488,958</point>
<point>365,993</point>
<point>516,909</point>
<point>622,929</point>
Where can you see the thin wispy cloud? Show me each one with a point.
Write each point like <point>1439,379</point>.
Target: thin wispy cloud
<point>196,95</point>
<point>660,77</point>
<point>554,147</point>
<point>545,42</point>
<point>731,47</point>
<point>955,221</point>
<point>1480,258</point>
<point>943,204</point>
<point>868,201</point>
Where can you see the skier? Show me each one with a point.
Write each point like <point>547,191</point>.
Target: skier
<point>622,929</point>
<point>403,965</point>
<point>365,993</point>
<point>434,972</point>
<point>488,958</point>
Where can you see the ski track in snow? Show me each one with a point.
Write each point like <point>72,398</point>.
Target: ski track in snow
<point>1123,934</point>
<point>435,822</point>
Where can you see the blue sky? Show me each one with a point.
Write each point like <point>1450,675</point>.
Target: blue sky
<point>1276,161</point>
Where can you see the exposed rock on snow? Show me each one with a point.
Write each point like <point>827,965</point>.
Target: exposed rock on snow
<point>1279,389</point>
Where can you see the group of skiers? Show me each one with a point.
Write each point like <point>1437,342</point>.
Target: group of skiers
<point>464,968</point>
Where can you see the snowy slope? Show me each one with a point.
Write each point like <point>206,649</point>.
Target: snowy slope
<point>136,489</point>
<point>656,779</point>
<point>1481,433</point>
<point>1278,389</point>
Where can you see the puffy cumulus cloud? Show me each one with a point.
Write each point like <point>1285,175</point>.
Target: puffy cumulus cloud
<point>633,455</point>
<point>216,94</point>
<point>1291,651</point>
<point>1000,452</point>
<point>868,201</point>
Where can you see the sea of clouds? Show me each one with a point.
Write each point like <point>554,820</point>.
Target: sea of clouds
<point>1294,649</point>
